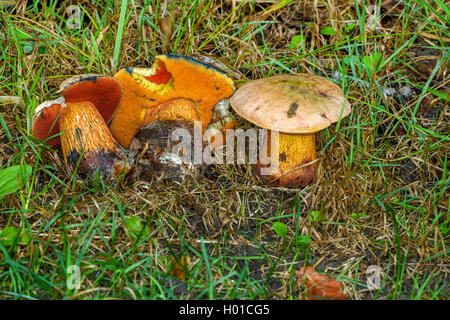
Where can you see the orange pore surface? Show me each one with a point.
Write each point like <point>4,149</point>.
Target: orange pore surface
<point>46,125</point>
<point>203,86</point>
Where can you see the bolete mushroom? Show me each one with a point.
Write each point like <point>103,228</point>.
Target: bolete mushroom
<point>296,106</point>
<point>170,77</point>
<point>80,118</point>
<point>103,91</point>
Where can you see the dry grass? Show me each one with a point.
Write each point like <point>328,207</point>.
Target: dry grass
<point>382,188</point>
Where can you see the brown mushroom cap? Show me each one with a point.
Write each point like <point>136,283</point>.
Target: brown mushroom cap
<point>77,78</point>
<point>301,103</point>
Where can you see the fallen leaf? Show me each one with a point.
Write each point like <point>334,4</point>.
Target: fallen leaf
<point>166,25</point>
<point>179,267</point>
<point>319,286</point>
<point>393,6</point>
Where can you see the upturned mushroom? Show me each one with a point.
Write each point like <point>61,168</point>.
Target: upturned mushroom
<point>296,106</point>
<point>170,77</point>
<point>87,143</point>
<point>103,91</point>
<point>78,122</point>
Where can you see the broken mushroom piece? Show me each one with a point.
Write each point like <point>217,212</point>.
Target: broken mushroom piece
<point>103,92</point>
<point>87,143</point>
<point>170,77</point>
<point>163,148</point>
<point>176,109</point>
<point>296,106</point>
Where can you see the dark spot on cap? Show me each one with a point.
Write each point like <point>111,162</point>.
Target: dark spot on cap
<point>323,94</point>
<point>292,109</point>
<point>323,115</point>
<point>283,157</point>
<point>199,100</point>
<point>151,99</point>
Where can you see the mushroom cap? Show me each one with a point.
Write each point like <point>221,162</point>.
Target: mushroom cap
<point>301,103</point>
<point>76,78</point>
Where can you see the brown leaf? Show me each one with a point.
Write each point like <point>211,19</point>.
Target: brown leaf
<point>166,25</point>
<point>393,6</point>
<point>179,266</point>
<point>319,286</point>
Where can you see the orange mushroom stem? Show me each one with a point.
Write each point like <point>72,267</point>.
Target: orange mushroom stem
<point>296,160</point>
<point>87,143</point>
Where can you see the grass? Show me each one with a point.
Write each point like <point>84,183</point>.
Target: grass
<point>380,198</point>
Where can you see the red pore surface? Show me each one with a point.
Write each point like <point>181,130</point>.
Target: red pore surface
<point>103,92</point>
<point>162,75</point>
<point>46,124</point>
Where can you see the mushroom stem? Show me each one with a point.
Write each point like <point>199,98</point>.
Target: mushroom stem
<point>295,151</point>
<point>86,135</point>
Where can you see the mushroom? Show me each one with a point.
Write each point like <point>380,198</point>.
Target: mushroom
<point>103,91</point>
<point>152,153</point>
<point>78,122</point>
<point>296,106</point>
<point>170,77</point>
<point>87,143</point>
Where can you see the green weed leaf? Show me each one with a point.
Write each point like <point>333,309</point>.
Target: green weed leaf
<point>302,241</point>
<point>280,228</point>
<point>296,41</point>
<point>134,227</point>
<point>327,31</point>
<point>9,235</point>
<point>315,216</point>
<point>12,177</point>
